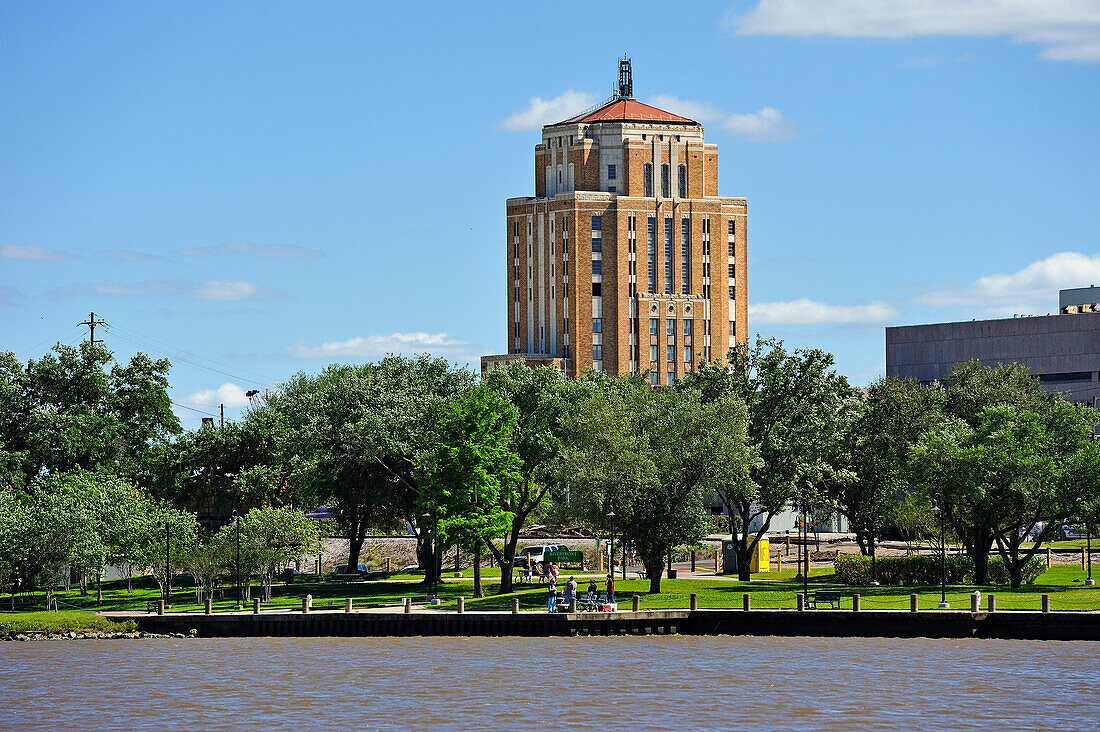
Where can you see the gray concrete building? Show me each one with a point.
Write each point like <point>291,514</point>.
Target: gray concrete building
<point>1063,350</point>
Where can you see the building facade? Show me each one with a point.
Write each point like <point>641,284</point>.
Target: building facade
<point>1063,350</point>
<point>626,259</point>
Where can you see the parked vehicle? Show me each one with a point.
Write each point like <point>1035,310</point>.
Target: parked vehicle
<point>1069,531</point>
<point>537,553</point>
<point>343,569</point>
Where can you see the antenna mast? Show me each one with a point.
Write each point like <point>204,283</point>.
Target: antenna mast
<point>626,81</point>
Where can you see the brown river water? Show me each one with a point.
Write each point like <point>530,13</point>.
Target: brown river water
<point>629,683</point>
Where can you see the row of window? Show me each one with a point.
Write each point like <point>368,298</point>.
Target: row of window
<point>597,221</point>
<point>597,354</point>
<point>647,180</point>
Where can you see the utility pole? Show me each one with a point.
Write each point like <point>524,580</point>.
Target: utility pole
<point>91,322</point>
<point>223,415</point>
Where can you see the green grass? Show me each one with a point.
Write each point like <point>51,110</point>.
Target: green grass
<point>66,620</point>
<point>1064,583</point>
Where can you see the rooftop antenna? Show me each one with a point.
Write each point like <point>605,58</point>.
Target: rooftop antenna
<point>626,81</point>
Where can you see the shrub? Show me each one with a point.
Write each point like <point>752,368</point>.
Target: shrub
<point>855,569</point>
<point>998,572</point>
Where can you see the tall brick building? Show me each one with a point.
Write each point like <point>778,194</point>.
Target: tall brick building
<point>626,259</point>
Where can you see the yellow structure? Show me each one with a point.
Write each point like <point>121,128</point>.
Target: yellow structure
<point>760,557</point>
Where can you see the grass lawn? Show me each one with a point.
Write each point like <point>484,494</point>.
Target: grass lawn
<point>66,620</point>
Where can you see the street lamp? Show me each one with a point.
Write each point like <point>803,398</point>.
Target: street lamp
<point>611,545</point>
<point>429,571</point>
<point>806,554</point>
<point>1089,581</point>
<point>167,560</point>
<point>937,506</point>
<point>237,524</point>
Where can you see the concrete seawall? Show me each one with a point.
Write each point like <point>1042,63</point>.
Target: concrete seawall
<point>816,623</point>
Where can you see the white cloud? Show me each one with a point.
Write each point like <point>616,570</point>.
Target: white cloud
<point>377,346</point>
<point>228,394</point>
<point>230,290</point>
<point>1023,290</point>
<point>808,312</point>
<point>539,111</point>
<point>273,251</point>
<point>209,290</point>
<point>32,253</point>
<point>767,125</point>
<point>1068,30</point>
<point>129,255</point>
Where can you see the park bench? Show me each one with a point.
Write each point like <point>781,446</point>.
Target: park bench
<point>822,596</point>
<point>151,606</point>
<point>346,578</point>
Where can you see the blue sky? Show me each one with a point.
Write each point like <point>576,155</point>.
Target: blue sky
<point>255,189</point>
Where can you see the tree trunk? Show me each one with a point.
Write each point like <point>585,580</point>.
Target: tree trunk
<point>477,569</point>
<point>357,534</point>
<point>505,557</point>
<point>654,567</point>
<point>861,542</point>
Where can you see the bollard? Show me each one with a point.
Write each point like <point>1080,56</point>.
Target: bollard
<point>717,566</point>
<point>515,606</point>
<point>1048,557</point>
<point>694,601</point>
<point>461,604</point>
<point>778,562</point>
<point>255,606</point>
<point>855,603</point>
<point>788,543</point>
<point>305,605</point>
<point>975,602</point>
<point>912,603</point>
<point>991,603</point>
<point>1084,562</point>
<point>801,602</point>
<point>1046,603</point>
<point>406,604</point>
<point>746,602</point>
<point>635,603</point>
<point>387,565</point>
<point>209,606</point>
<point>347,605</point>
<point>160,607</point>
<point>573,604</point>
<point>693,561</point>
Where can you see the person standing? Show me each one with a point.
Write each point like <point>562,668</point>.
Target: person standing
<point>570,592</point>
<point>552,597</point>
<point>611,588</point>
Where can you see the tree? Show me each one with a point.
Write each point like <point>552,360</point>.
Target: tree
<point>472,472</point>
<point>650,456</point>
<point>794,405</point>
<point>538,395</point>
<point>270,537</point>
<point>1005,476</point>
<point>164,538</point>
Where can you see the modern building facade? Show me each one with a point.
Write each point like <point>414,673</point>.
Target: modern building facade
<point>1063,350</point>
<point>626,259</point>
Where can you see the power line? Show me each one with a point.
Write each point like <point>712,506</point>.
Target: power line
<point>193,409</point>
<point>216,362</point>
<point>54,338</point>
<point>177,358</point>
<point>91,322</point>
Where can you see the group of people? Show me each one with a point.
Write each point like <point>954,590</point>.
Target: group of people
<point>570,593</point>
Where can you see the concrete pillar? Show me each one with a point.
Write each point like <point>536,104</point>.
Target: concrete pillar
<point>635,603</point>
<point>975,602</point>
<point>305,605</point>
<point>160,606</point>
<point>746,602</point>
<point>855,602</point>
<point>347,605</point>
<point>1046,603</point>
<point>255,606</point>
<point>461,604</point>
<point>573,605</point>
<point>912,603</point>
<point>694,601</point>
<point>801,602</point>
<point>209,606</point>
<point>408,604</point>
<point>991,603</point>
<point>515,606</point>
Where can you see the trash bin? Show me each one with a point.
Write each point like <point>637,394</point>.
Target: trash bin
<point>288,575</point>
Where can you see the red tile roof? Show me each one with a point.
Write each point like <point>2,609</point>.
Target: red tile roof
<point>627,110</point>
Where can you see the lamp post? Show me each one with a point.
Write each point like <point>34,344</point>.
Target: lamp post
<point>611,544</point>
<point>429,571</point>
<point>167,562</point>
<point>1089,581</point>
<point>937,506</point>
<point>237,524</point>
<point>806,554</point>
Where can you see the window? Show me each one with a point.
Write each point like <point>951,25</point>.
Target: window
<point>565,268</point>
<point>733,227</point>
<point>596,243</point>
<point>559,177</point>
<point>653,377</point>
<point>647,179</point>
<point>595,289</point>
<point>633,325</point>
<point>664,180</point>
<point>671,378</point>
<point>731,271</point>
<point>653,326</point>
<point>596,223</point>
<point>733,329</point>
<point>597,267</point>
<point>597,352</point>
<point>687,354</point>
<point>653,354</point>
<point>651,253</point>
<point>668,256</point>
<point>731,293</point>
<point>687,327</point>
<point>611,189</point>
<point>732,245</point>
<point>515,228</point>
<point>611,172</point>
<point>670,327</point>
<point>670,354</point>
<point>685,256</point>
<point>683,181</point>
